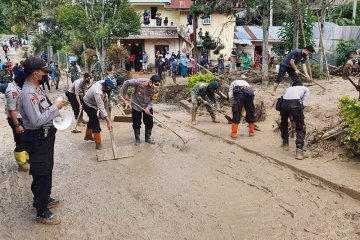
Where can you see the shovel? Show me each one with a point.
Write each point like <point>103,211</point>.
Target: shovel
<point>182,139</point>
<point>217,110</point>
<point>314,82</point>
<point>77,123</point>
<point>113,153</point>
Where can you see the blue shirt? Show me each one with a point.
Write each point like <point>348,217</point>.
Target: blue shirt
<point>298,57</point>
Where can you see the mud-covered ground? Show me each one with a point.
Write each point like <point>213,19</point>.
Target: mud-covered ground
<point>205,190</point>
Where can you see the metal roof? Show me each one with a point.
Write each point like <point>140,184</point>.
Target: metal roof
<point>179,5</point>
<point>255,33</point>
<point>149,1</point>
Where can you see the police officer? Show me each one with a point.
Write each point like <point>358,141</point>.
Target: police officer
<point>12,93</point>
<point>95,99</point>
<point>242,95</point>
<point>75,92</point>
<point>292,105</point>
<point>39,137</point>
<point>144,94</point>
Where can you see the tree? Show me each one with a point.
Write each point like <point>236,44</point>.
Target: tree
<point>100,22</point>
<point>21,14</point>
<point>265,49</point>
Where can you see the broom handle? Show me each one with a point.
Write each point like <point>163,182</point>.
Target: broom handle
<point>156,119</point>
<point>113,143</point>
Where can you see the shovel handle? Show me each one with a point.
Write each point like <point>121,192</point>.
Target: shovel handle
<point>113,143</point>
<point>156,119</point>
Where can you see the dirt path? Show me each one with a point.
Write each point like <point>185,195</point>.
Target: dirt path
<point>210,190</point>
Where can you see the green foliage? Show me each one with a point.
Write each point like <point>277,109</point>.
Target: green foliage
<point>286,33</point>
<point>208,42</point>
<point>20,15</point>
<point>204,8</point>
<point>350,109</point>
<point>199,77</point>
<point>342,15</point>
<point>316,73</point>
<point>343,48</point>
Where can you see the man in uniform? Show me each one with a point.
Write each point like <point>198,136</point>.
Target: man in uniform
<point>39,138</point>
<point>288,65</point>
<point>350,63</point>
<point>204,93</point>
<point>293,102</point>
<point>144,94</point>
<point>74,71</point>
<point>96,69</point>
<point>12,93</point>
<point>242,95</point>
<point>95,99</point>
<point>75,92</point>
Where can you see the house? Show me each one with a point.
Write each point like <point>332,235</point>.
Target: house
<point>174,36</point>
<point>250,38</point>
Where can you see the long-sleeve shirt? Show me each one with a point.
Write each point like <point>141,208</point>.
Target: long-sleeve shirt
<point>200,90</point>
<point>78,87</point>
<point>35,108</point>
<point>298,92</point>
<point>241,83</point>
<point>143,94</point>
<point>95,97</point>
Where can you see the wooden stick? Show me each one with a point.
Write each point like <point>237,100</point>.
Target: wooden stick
<point>314,82</point>
<point>113,146</point>
<point>303,33</point>
<point>156,119</point>
<point>323,49</point>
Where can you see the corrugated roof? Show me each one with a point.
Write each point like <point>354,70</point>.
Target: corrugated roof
<point>255,33</point>
<point>179,5</point>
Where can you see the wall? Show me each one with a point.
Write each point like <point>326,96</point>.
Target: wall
<point>150,46</point>
<point>172,16</point>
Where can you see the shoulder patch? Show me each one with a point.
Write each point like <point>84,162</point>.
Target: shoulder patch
<point>14,94</point>
<point>35,101</point>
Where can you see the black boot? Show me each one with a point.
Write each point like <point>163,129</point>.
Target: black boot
<point>137,136</point>
<point>148,138</point>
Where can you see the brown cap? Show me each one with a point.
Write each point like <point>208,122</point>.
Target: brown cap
<point>34,63</point>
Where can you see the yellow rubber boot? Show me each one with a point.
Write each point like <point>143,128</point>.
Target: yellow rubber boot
<point>21,159</point>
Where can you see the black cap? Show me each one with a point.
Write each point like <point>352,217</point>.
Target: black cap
<point>310,48</point>
<point>155,78</point>
<point>297,83</point>
<point>32,64</point>
<point>87,75</point>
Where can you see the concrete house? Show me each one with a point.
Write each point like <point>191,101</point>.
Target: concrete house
<point>174,36</point>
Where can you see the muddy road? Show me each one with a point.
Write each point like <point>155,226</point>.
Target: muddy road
<point>207,190</point>
<point>210,190</point>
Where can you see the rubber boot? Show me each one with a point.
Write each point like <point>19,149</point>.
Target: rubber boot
<point>213,117</point>
<point>299,154</point>
<point>21,159</point>
<point>97,137</point>
<point>193,117</point>
<point>89,135</point>
<point>137,136</point>
<point>148,138</point>
<point>234,129</point>
<point>251,129</point>
<point>285,146</point>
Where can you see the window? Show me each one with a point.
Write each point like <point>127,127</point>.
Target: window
<point>153,12</point>
<point>207,21</point>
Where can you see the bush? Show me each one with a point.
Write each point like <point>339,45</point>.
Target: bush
<point>316,73</point>
<point>343,48</point>
<point>350,110</point>
<point>199,77</point>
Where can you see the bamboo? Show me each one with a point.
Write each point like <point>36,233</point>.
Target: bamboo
<point>323,48</point>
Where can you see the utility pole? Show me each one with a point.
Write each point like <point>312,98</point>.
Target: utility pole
<point>265,46</point>
<point>354,11</point>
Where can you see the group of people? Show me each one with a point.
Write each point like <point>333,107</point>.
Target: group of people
<point>158,19</point>
<point>31,113</point>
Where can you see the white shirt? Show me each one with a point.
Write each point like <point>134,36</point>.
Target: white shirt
<point>298,92</point>
<point>241,83</point>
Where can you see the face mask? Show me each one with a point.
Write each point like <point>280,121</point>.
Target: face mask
<point>108,91</point>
